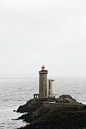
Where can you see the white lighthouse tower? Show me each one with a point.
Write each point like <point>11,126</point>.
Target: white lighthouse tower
<point>43,82</point>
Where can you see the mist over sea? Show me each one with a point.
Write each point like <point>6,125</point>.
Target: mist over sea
<point>17,90</point>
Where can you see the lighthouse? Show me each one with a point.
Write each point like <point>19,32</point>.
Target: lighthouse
<point>45,86</point>
<point>43,82</point>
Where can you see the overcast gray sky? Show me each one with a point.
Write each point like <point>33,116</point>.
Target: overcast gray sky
<point>37,32</point>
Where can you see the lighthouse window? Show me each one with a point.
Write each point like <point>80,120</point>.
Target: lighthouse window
<point>49,84</point>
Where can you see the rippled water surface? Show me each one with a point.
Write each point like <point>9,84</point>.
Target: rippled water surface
<point>17,91</point>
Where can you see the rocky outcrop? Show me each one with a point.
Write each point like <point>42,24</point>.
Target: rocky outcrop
<point>63,118</point>
<point>62,101</point>
<point>66,99</point>
<point>34,104</point>
<point>33,109</point>
<point>30,106</point>
<point>36,109</point>
<point>29,117</point>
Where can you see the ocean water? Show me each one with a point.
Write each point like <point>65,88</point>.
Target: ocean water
<point>17,91</point>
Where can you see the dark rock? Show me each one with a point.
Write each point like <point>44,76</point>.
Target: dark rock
<point>35,110</point>
<point>30,106</point>
<point>14,110</point>
<point>66,99</point>
<point>63,118</point>
<point>29,117</point>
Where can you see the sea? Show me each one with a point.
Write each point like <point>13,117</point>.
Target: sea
<point>16,91</point>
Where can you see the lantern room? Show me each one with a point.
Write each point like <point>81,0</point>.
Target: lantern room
<point>43,68</point>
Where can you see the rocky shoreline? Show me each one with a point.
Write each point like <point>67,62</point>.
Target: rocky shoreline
<point>53,113</point>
